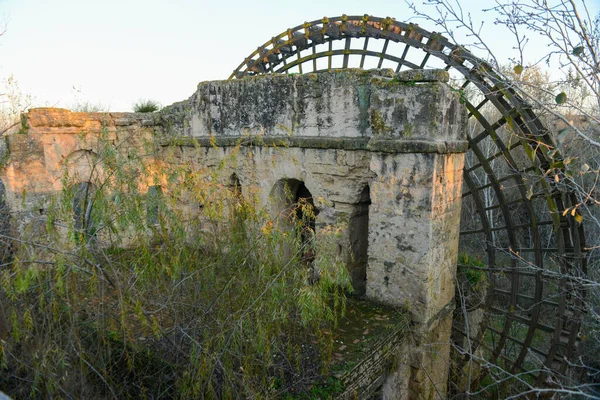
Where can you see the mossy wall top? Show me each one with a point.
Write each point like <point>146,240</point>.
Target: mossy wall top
<point>345,103</point>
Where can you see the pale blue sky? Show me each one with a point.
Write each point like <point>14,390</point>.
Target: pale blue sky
<point>114,52</point>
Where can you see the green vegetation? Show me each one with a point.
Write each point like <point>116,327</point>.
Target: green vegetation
<point>378,124</point>
<point>475,276</point>
<point>326,390</point>
<point>210,300</point>
<point>146,106</point>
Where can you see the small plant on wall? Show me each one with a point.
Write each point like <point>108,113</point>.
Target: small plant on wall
<point>146,106</point>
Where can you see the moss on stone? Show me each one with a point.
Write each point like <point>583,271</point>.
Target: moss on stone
<point>407,132</point>
<point>358,144</point>
<point>364,102</point>
<point>378,125</point>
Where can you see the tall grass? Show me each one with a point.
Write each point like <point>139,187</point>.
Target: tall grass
<point>157,301</point>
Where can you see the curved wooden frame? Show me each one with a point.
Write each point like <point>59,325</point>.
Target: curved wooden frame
<point>535,334</point>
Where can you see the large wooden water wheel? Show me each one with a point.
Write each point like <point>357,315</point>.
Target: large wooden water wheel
<point>518,245</point>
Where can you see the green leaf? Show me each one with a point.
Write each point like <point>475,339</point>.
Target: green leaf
<point>578,51</point>
<point>518,69</point>
<point>561,98</point>
<point>530,152</point>
<point>557,164</point>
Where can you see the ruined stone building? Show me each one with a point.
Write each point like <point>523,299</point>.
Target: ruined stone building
<point>376,152</point>
<point>381,154</point>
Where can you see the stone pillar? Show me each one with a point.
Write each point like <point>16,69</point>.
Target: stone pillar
<point>413,231</point>
<point>414,223</point>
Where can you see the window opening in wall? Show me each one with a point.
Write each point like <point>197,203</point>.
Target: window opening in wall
<point>235,186</point>
<point>83,201</point>
<point>153,198</point>
<point>5,241</point>
<point>359,242</point>
<point>305,212</point>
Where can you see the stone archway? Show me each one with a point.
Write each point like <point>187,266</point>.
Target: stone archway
<point>295,206</point>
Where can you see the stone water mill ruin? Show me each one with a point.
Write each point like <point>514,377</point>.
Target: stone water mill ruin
<point>384,153</point>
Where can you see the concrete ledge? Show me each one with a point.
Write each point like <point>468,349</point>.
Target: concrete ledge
<point>61,118</point>
<point>368,144</point>
<point>418,146</point>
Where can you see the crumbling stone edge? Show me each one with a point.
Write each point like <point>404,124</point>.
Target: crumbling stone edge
<point>371,144</point>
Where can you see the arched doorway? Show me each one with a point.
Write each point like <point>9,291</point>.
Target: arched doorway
<point>295,207</point>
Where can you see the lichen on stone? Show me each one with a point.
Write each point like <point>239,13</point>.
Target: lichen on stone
<point>378,125</point>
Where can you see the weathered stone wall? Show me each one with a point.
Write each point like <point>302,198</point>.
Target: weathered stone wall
<point>380,153</point>
<point>335,178</point>
<point>413,106</point>
<point>413,241</point>
<point>421,367</point>
<point>52,140</point>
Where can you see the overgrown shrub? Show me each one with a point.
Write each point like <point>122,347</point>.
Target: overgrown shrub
<point>210,304</point>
